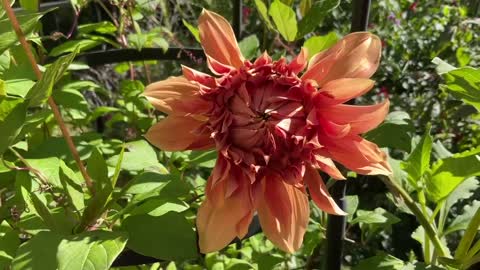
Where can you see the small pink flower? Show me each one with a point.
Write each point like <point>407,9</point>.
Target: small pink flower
<point>273,128</point>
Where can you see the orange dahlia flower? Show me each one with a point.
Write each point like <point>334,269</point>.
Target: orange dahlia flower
<point>273,127</point>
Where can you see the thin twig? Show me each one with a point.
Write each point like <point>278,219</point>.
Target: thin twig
<point>51,102</point>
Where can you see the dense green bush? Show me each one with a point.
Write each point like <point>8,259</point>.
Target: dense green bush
<point>135,199</point>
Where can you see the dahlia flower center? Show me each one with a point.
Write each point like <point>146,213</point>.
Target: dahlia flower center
<point>259,117</point>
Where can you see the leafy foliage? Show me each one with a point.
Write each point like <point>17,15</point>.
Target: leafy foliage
<point>144,201</point>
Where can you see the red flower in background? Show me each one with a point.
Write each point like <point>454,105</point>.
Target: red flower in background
<point>273,127</point>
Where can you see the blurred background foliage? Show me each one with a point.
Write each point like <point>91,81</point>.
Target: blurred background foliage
<point>47,216</point>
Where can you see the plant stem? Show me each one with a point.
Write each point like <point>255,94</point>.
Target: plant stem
<point>440,249</point>
<point>51,102</point>
<point>468,237</point>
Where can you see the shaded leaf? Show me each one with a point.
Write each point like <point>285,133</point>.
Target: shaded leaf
<point>395,132</point>
<point>315,15</point>
<point>249,46</point>
<point>167,237</point>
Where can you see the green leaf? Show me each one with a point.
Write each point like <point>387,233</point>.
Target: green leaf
<point>166,185</point>
<point>148,181</point>
<point>464,83</point>
<point>49,167</point>
<point>3,92</point>
<point>205,159</point>
<point>97,169</point>
<point>352,205</point>
<point>442,66</point>
<point>419,160</point>
<point>167,237</point>
<point>39,208</point>
<point>9,243</point>
<point>380,262</point>
<point>238,264</point>
<point>73,101</point>
<point>463,191</point>
<point>31,5</point>
<point>315,15</point>
<point>249,46</point>
<point>262,9</point>
<point>27,21</point>
<point>461,221</point>
<point>94,250</point>
<point>42,90</point>
<point>39,253</point>
<point>139,156</point>
<point>305,6</point>
<point>104,27</point>
<point>74,45</point>
<point>12,116</point>
<point>318,44</point>
<point>193,30</point>
<point>19,87</point>
<point>138,40</point>
<point>368,217</point>
<point>463,56</point>
<point>160,206</point>
<point>284,18</point>
<point>446,174</point>
<point>395,132</point>
<point>73,186</point>
<point>5,60</point>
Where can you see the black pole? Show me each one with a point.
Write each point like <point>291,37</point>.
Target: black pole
<point>360,14</point>
<point>237,18</point>
<point>336,224</point>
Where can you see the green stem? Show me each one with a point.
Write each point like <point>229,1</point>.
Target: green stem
<point>474,250</point>
<point>468,237</point>
<point>426,240</point>
<point>440,249</point>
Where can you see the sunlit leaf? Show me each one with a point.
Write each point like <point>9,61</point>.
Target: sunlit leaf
<point>42,90</point>
<point>419,160</point>
<point>318,44</point>
<point>446,174</point>
<point>284,18</point>
<point>464,84</point>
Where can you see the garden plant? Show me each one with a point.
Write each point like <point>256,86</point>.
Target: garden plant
<point>254,134</point>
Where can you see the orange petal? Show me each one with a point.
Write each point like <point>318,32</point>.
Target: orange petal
<point>341,90</point>
<point>176,95</point>
<point>283,211</point>
<point>327,165</point>
<point>177,133</point>
<point>218,39</point>
<point>357,55</point>
<point>319,192</point>
<point>300,62</point>
<point>360,118</point>
<point>358,155</point>
<point>220,218</point>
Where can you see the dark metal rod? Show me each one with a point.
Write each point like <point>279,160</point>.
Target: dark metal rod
<point>336,224</point>
<point>360,14</point>
<point>125,55</point>
<point>237,18</point>
<point>336,228</point>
